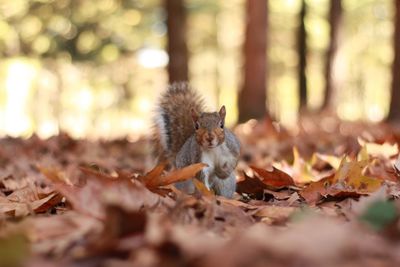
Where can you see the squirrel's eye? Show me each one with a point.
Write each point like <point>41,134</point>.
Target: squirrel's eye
<point>221,124</point>
<point>197,125</point>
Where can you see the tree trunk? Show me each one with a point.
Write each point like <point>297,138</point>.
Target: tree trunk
<point>177,49</point>
<point>253,96</point>
<point>302,52</point>
<point>335,18</point>
<point>394,112</point>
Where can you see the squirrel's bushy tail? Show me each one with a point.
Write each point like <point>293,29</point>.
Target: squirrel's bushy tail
<point>173,122</point>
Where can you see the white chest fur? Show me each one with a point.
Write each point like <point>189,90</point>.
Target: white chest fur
<point>214,157</point>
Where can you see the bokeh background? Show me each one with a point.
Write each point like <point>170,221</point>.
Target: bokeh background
<point>94,69</point>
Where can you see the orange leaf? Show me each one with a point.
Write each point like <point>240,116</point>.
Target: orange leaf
<point>153,174</point>
<point>275,178</point>
<point>202,188</point>
<point>313,192</point>
<point>95,173</point>
<point>348,181</point>
<point>176,176</point>
<point>251,186</point>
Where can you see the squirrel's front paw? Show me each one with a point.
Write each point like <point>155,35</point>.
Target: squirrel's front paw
<point>223,171</point>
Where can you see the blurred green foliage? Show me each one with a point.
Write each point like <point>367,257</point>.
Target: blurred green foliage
<point>82,30</point>
<point>14,250</point>
<point>380,214</point>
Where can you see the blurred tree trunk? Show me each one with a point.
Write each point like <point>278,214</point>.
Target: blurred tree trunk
<point>335,18</point>
<point>253,96</point>
<point>394,112</point>
<point>176,47</point>
<point>302,52</point>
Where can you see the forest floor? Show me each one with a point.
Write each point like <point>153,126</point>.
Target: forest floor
<point>326,196</point>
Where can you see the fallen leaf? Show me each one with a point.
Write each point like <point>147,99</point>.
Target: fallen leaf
<point>59,234</point>
<point>275,212</point>
<point>202,189</point>
<point>349,180</point>
<point>154,174</point>
<point>100,191</point>
<point>274,178</point>
<point>176,175</point>
<point>154,179</point>
<point>251,186</point>
<point>386,149</point>
<point>20,209</point>
<point>316,190</point>
<point>332,160</point>
<point>279,195</point>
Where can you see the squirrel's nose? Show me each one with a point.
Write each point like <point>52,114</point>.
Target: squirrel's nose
<point>210,137</point>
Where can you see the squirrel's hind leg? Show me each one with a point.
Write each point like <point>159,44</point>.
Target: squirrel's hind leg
<point>225,187</point>
<point>186,186</point>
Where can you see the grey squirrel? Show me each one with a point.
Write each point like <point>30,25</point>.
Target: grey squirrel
<point>186,134</point>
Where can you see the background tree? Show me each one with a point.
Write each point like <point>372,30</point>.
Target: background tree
<point>176,48</point>
<point>335,20</point>
<point>394,112</point>
<point>302,52</point>
<point>252,97</point>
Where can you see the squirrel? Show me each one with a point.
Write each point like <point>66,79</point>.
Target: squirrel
<point>186,134</point>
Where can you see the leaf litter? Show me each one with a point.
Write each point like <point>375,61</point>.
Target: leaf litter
<point>314,199</point>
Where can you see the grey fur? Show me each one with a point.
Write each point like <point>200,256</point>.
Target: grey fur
<point>225,182</point>
<point>175,139</point>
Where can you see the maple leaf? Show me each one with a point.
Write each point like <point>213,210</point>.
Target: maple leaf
<point>348,180</point>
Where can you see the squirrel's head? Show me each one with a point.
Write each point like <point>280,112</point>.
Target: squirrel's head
<point>209,127</point>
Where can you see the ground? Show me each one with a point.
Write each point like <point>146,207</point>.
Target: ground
<point>325,194</point>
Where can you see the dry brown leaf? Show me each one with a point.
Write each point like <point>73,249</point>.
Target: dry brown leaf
<point>314,191</point>
<point>154,174</point>
<point>349,180</point>
<point>19,209</point>
<point>176,176</point>
<point>202,189</point>
<point>100,191</point>
<point>275,212</point>
<point>26,194</point>
<point>59,234</point>
<point>251,186</point>
<point>274,178</point>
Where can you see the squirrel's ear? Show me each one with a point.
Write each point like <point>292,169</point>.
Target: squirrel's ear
<point>195,115</point>
<point>222,112</point>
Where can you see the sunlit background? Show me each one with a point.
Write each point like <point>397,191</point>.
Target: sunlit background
<point>95,68</point>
